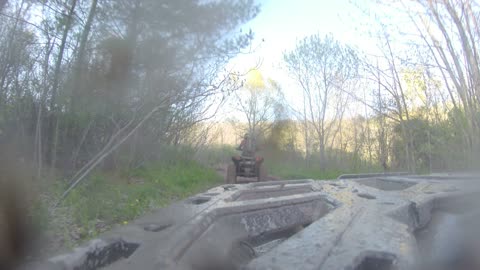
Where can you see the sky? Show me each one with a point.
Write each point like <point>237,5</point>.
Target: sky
<point>281,23</point>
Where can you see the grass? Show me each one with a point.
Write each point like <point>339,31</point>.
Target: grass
<point>105,200</point>
<point>300,171</point>
<point>291,166</point>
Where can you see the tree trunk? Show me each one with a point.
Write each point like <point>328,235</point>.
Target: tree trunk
<point>305,126</point>
<point>54,126</point>
<point>79,65</point>
<point>322,152</point>
<point>38,127</point>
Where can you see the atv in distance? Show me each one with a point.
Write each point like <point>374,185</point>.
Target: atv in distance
<point>248,164</point>
<point>244,166</point>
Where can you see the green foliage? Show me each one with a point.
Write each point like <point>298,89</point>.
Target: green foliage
<point>107,200</point>
<point>283,135</point>
<point>436,146</point>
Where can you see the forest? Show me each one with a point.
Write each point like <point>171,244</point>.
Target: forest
<point>109,109</point>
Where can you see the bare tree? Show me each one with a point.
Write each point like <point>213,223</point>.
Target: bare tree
<point>322,67</point>
<point>450,31</point>
<point>257,102</point>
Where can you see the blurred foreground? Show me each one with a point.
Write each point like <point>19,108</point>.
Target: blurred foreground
<point>375,222</point>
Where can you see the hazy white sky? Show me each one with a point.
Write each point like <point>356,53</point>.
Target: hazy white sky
<point>281,23</point>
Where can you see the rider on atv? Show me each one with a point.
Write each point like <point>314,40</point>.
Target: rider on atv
<point>248,164</point>
<point>247,146</point>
